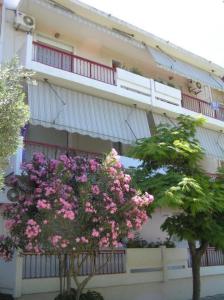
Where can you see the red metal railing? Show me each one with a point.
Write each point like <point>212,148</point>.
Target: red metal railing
<point>46,266</point>
<point>202,107</point>
<point>53,151</point>
<point>66,61</point>
<point>211,257</point>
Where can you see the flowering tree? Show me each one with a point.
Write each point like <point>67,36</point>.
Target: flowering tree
<point>71,206</point>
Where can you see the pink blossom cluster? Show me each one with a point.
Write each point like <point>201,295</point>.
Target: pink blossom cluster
<point>32,229</point>
<point>73,204</point>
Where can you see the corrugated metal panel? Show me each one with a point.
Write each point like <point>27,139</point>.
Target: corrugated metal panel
<point>64,109</point>
<point>212,141</point>
<point>177,66</point>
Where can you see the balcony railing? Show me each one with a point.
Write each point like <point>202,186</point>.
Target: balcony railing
<point>66,61</point>
<point>203,107</point>
<point>211,257</point>
<point>53,151</point>
<point>46,266</point>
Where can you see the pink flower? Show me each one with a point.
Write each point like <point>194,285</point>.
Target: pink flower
<point>31,222</point>
<point>104,242</point>
<point>89,208</point>
<point>9,224</point>
<point>113,152</point>
<point>29,246</point>
<point>39,157</point>
<point>127,178</point>
<point>49,191</point>
<point>93,165</point>
<point>129,224</point>
<point>69,214</point>
<point>131,235</point>
<point>55,239</point>
<point>82,178</point>
<point>84,240</point>
<point>112,171</point>
<point>95,189</point>
<point>37,191</point>
<point>66,204</point>
<point>95,233</point>
<point>32,229</point>
<point>64,243</point>
<point>43,204</point>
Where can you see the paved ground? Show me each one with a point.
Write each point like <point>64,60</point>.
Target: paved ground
<point>216,297</point>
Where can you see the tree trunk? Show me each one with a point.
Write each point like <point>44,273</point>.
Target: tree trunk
<point>69,265</point>
<point>196,255</point>
<point>196,264</point>
<point>78,293</point>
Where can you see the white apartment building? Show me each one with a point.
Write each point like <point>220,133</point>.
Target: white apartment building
<point>101,83</point>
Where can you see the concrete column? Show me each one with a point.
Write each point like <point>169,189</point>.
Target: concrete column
<point>17,292</point>
<point>164,263</point>
<point>18,159</point>
<point>28,50</point>
<point>153,92</point>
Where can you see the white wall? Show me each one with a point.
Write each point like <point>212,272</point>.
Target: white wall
<point>151,230</point>
<point>210,164</point>
<point>13,40</point>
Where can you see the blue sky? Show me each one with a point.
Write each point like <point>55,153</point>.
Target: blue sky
<point>196,25</point>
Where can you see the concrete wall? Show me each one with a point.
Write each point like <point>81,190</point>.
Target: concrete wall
<point>160,274</point>
<point>14,40</point>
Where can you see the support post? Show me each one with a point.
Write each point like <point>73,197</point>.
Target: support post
<point>164,263</point>
<point>17,292</point>
<point>153,92</point>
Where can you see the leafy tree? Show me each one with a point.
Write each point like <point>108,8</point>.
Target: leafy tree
<point>72,207</point>
<point>171,171</point>
<point>13,111</point>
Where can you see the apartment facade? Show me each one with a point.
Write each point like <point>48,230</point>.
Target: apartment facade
<point>100,83</point>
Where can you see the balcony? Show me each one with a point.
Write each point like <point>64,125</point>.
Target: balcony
<point>202,107</point>
<point>53,151</point>
<point>66,61</point>
<point>65,69</point>
<point>68,70</point>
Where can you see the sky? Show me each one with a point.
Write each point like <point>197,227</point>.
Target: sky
<point>196,25</point>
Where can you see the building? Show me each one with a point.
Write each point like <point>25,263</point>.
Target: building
<point>102,83</point>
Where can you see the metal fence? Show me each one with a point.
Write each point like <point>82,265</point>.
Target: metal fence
<point>211,257</point>
<point>203,107</point>
<point>46,266</point>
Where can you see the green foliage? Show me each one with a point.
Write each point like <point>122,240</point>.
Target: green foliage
<point>138,242</point>
<point>171,147</point>
<point>14,112</point>
<point>171,172</point>
<point>168,243</point>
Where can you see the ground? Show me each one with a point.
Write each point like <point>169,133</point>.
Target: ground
<point>216,297</point>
